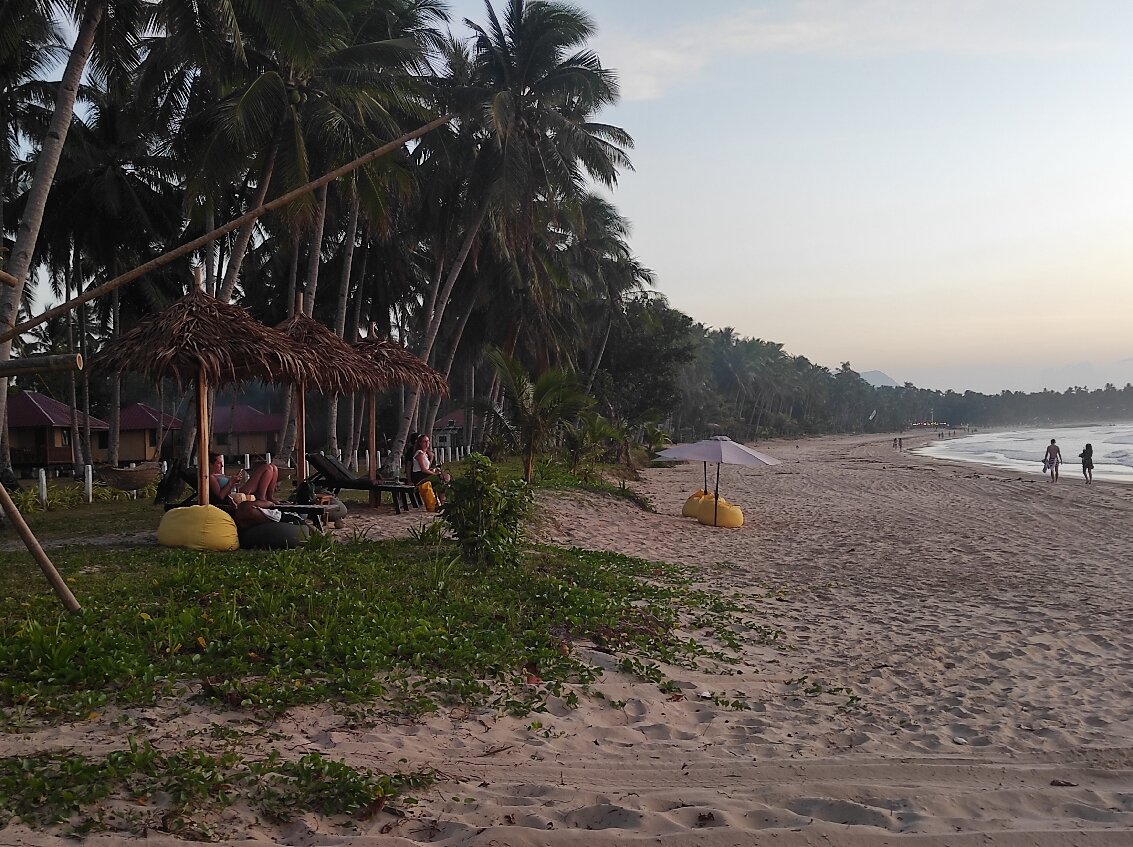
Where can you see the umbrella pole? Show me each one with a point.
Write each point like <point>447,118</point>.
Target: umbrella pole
<point>372,445</point>
<point>202,440</point>
<point>716,502</point>
<point>706,477</point>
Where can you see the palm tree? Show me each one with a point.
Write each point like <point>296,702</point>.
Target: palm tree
<point>536,90</point>
<point>30,44</point>
<point>116,27</point>
<point>534,409</point>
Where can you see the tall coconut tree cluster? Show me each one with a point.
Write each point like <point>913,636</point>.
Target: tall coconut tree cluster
<point>130,127</point>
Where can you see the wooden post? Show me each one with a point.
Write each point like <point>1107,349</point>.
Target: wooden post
<point>372,445</point>
<point>202,440</point>
<point>57,582</point>
<point>42,364</point>
<point>43,487</point>
<point>300,434</point>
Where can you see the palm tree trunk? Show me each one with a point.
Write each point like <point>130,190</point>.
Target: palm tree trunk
<point>210,249</point>
<point>314,252</point>
<point>435,324</point>
<point>244,236</point>
<point>598,359</point>
<point>458,333</point>
<point>88,453</point>
<point>115,414</point>
<point>340,309</point>
<point>46,163</point>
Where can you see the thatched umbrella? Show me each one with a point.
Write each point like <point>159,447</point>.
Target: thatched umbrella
<point>401,368</point>
<point>198,340</point>
<point>341,370</point>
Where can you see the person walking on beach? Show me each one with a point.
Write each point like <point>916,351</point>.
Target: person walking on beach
<point>1053,459</point>
<point>1087,457</point>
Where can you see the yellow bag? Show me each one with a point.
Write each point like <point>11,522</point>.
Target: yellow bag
<point>710,513</point>
<point>198,528</point>
<point>428,497</point>
<point>693,502</point>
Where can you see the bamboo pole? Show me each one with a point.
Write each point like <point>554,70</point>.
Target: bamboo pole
<point>42,364</point>
<point>29,539</point>
<point>194,245</point>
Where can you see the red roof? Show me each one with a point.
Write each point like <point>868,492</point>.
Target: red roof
<point>456,418</point>
<point>244,419</point>
<point>32,409</point>
<point>141,416</point>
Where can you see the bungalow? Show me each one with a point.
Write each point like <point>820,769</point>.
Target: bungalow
<point>238,429</point>
<point>39,432</point>
<point>140,428</point>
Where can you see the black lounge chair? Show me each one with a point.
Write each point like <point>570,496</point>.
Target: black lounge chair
<point>331,473</point>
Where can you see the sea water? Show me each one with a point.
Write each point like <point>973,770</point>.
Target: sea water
<point>1023,449</point>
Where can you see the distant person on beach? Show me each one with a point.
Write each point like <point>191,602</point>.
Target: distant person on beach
<point>894,443</point>
<point>1053,459</point>
<point>900,443</point>
<point>1087,457</point>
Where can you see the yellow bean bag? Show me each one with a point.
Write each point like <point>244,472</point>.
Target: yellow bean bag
<point>428,496</point>
<point>198,528</point>
<point>692,503</point>
<point>724,513</point>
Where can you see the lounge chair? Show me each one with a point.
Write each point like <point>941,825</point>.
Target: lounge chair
<point>332,474</point>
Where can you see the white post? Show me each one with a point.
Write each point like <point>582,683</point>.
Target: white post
<point>164,467</point>
<point>269,458</point>
<point>356,460</point>
<point>247,461</point>
<point>43,487</point>
<point>88,483</point>
<point>134,493</point>
<point>366,453</point>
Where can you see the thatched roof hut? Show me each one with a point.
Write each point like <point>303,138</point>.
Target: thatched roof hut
<point>200,341</point>
<point>341,368</point>
<point>199,335</point>
<point>401,366</point>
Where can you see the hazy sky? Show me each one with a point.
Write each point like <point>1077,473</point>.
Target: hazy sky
<point>939,189</point>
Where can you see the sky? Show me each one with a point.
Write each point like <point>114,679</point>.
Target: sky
<point>938,189</point>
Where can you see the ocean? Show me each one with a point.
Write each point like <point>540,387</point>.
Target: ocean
<point>1023,449</point>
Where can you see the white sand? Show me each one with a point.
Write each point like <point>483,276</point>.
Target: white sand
<point>983,620</point>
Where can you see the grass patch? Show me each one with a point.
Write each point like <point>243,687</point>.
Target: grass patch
<point>395,621</point>
<point>554,475</point>
<point>167,791</point>
<point>68,515</point>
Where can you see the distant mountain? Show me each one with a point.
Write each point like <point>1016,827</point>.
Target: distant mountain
<point>879,379</point>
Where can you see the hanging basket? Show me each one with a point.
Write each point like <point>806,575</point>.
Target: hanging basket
<point>129,479</point>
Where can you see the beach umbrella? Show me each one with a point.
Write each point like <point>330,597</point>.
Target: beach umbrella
<point>400,368</point>
<point>342,369</point>
<point>721,450</point>
<point>200,341</point>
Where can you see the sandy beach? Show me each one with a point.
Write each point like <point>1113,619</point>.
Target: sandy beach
<point>962,637</point>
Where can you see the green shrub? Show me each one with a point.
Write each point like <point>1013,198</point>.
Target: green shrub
<point>486,517</point>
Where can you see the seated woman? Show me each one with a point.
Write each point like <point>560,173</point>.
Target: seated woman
<point>262,481</point>
<point>248,507</point>
<point>423,470</point>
